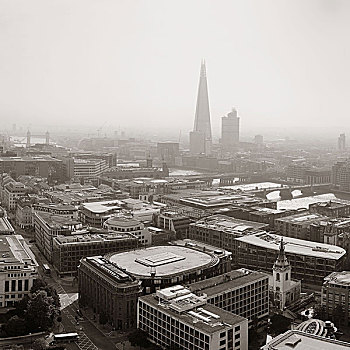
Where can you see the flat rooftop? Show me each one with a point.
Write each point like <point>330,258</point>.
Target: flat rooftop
<point>303,218</point>
<point>163,260</point>
<point>338,278</point>
<point>13,250</point>
<point>103,206</point>
<point>294,245</point>
<point>229,224</point>
<point>228,281</point>
<point>78,239</point>
<point>5,226</point>
<point>57,221</point>
<point>297,340</point>
<point>205,317</point>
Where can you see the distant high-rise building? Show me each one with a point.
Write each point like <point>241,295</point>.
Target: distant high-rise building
<point>259,139</point>
<point>230,131</point>
<point>200,137</point>
<point>341,142</point>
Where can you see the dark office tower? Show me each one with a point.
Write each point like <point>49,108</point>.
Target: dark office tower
<point>230,131</point>
<point>47,138</point>
<point>341,142</point>
<point>200,137</point>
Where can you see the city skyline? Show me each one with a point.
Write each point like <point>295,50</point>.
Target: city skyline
<point>280,69</point>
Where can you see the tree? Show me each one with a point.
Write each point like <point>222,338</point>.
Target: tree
<point>15,326</point>
<point>40,284</point>
<point>40,312</point>
<point>39,344</point>
<point>21,306</point>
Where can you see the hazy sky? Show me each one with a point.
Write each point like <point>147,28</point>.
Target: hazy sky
<point>136,63</point>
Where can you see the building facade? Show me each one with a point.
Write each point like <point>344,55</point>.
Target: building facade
<point>242,292</point>
<point>230,131</point>
<point>175,317</point>
<point>18,270</point>
<point>109,291</point>
<point>335,295</point>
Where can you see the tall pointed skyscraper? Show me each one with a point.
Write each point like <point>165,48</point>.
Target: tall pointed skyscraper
<point>200,137</point>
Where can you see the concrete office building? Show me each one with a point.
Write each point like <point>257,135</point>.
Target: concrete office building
<point>68,250</point>
<point>310,261</point>
<point>164,266</point>
<point>96,213</point>
<point>109,290</point>
<point>230,131</point>
<point>298,225</point>
<point>341,142</point>
<point>175,317</point>
<point>298,340</point>
<point>47,226</point>
<point>89,168</point>
<point>130,225</point>
<point>18,269</point>
<point>341,175</point>
<point>11,193</point>
<point>335,294</point>
<point>242,292</point>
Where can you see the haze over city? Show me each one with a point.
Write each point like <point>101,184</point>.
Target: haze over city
<point>174,175</point>
<point>135,64</point>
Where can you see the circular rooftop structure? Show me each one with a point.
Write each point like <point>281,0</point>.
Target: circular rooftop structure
<point>163,261</point>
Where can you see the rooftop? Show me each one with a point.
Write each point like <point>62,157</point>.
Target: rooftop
<point>5,226</point>
<point>293,245</point>
<point>13,249</point>
<point>103,206</point>
<point>122,221</point>
<point>181,304</point>
<point>303,218</point>
<point>338,278</point>
<point>229,224</point>
<point>163,260</point>
<point>93,237</point>
<point>227,281</point>
<point>298,340</point>
<point>58,221</point>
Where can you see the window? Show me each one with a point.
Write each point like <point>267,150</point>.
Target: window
<point>287,276</point>
<point>7,286</point>
<point>20,282</point>
<point>13,285</point>
<point>26,285</point>
<point>277,276</point>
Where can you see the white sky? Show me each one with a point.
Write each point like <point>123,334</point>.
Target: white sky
<point>136,63</point>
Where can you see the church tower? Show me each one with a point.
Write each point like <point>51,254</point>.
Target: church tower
<point>200,137</point>
<point>281,278</point>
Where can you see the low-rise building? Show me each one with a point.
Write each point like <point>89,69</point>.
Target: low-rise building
<point>332,209</point>
<point>89,168</point>
<point>69,250</point>
<point>174,222</point>
<point>130,225</point>
<point>298,225</point>
<point>175,317</point>
<point>298,340</point>
<point>11,193</point>
<point>18,269</point>
<point>109,290</point>
<point>335,295</point>
<point>96,213</point>
<point>24,213</point>
<point>47,226</point>
<point>310,261</point>
<point>242,292</point>
<point>5,226</point>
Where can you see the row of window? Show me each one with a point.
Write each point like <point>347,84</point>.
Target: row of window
<point>19,286</point>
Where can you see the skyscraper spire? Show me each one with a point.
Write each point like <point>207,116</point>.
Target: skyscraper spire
<point>202,118</point>
<point>200,137</point>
